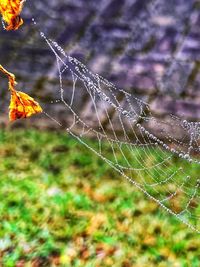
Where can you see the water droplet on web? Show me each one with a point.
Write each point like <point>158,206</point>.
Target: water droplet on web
<point>186,156</point>
<point>42,34</point>
<point>34,22</point>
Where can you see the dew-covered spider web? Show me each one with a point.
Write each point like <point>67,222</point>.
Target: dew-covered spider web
<point>162,170</point>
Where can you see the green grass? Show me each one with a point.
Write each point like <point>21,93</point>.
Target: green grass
<point>60,205</point>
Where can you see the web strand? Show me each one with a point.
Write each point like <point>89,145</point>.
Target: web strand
<point>140,156</point>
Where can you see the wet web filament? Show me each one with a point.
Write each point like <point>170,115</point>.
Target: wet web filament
<point>139,155</point>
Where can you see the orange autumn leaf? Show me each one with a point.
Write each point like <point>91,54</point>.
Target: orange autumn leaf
<point>10,11</point>
<point>21,104</point>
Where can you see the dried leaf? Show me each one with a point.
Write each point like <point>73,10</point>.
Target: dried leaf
<point>22,106</point>
<point>10,11</point>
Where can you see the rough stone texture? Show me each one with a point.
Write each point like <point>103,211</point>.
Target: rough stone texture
<point>149,48</point>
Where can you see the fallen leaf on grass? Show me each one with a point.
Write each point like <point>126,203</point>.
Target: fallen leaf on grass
<point>149,240</point>
<point>96,221</point>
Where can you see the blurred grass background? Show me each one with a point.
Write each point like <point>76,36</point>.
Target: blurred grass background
<point>60,205</point>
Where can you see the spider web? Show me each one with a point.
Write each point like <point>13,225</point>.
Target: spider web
<point>161,170</point>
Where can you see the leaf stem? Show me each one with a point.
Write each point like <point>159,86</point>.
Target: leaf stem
<point>11,79</point>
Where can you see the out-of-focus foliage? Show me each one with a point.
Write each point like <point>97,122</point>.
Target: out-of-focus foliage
<point>60,205</point>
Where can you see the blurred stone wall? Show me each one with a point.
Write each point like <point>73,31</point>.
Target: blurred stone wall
<point>150,48</point>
